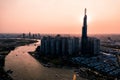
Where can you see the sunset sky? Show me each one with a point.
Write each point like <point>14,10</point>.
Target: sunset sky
<point>59,16</point>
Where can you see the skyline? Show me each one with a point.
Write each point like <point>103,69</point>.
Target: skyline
<point>59,17</point>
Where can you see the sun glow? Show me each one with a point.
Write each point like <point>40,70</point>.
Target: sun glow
<point>88,19</point>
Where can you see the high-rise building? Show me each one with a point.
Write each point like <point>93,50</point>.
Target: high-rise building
<point>84,39</point>
<point>93,46</point>
<point>89,46</point>
<point>73,45</point>
<point>70,46</point>
<point>59,45</point>
<point>29,35</point>
<point>64,46</point>
<point>52,46</point>
<point>84,28</point>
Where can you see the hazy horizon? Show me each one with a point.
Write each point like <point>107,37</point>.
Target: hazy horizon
<point>59,17</point>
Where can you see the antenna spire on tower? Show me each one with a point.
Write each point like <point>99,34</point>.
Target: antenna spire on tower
<point>85,11</point>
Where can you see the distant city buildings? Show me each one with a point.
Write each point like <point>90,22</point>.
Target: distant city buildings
<point>31,36</point>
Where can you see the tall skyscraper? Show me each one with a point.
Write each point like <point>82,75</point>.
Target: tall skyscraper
<point>84,28</point>
<point>84,39</point>
<point>89,45</point>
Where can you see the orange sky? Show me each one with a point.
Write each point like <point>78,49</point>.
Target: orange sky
<point>59,16</point>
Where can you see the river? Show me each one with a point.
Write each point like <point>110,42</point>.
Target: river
<point>25,67</point>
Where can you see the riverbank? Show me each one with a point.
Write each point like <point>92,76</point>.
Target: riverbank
<point>83,64</point>
<point>53,60</point>
<point>6,45</point>
<point>25,67</point>
<point>10,44</point>
<point>56,64</point>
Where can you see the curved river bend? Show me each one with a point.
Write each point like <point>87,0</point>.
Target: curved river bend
<point>25,67</point>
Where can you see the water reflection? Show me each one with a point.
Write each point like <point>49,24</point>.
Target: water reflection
<point>25,67</point>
